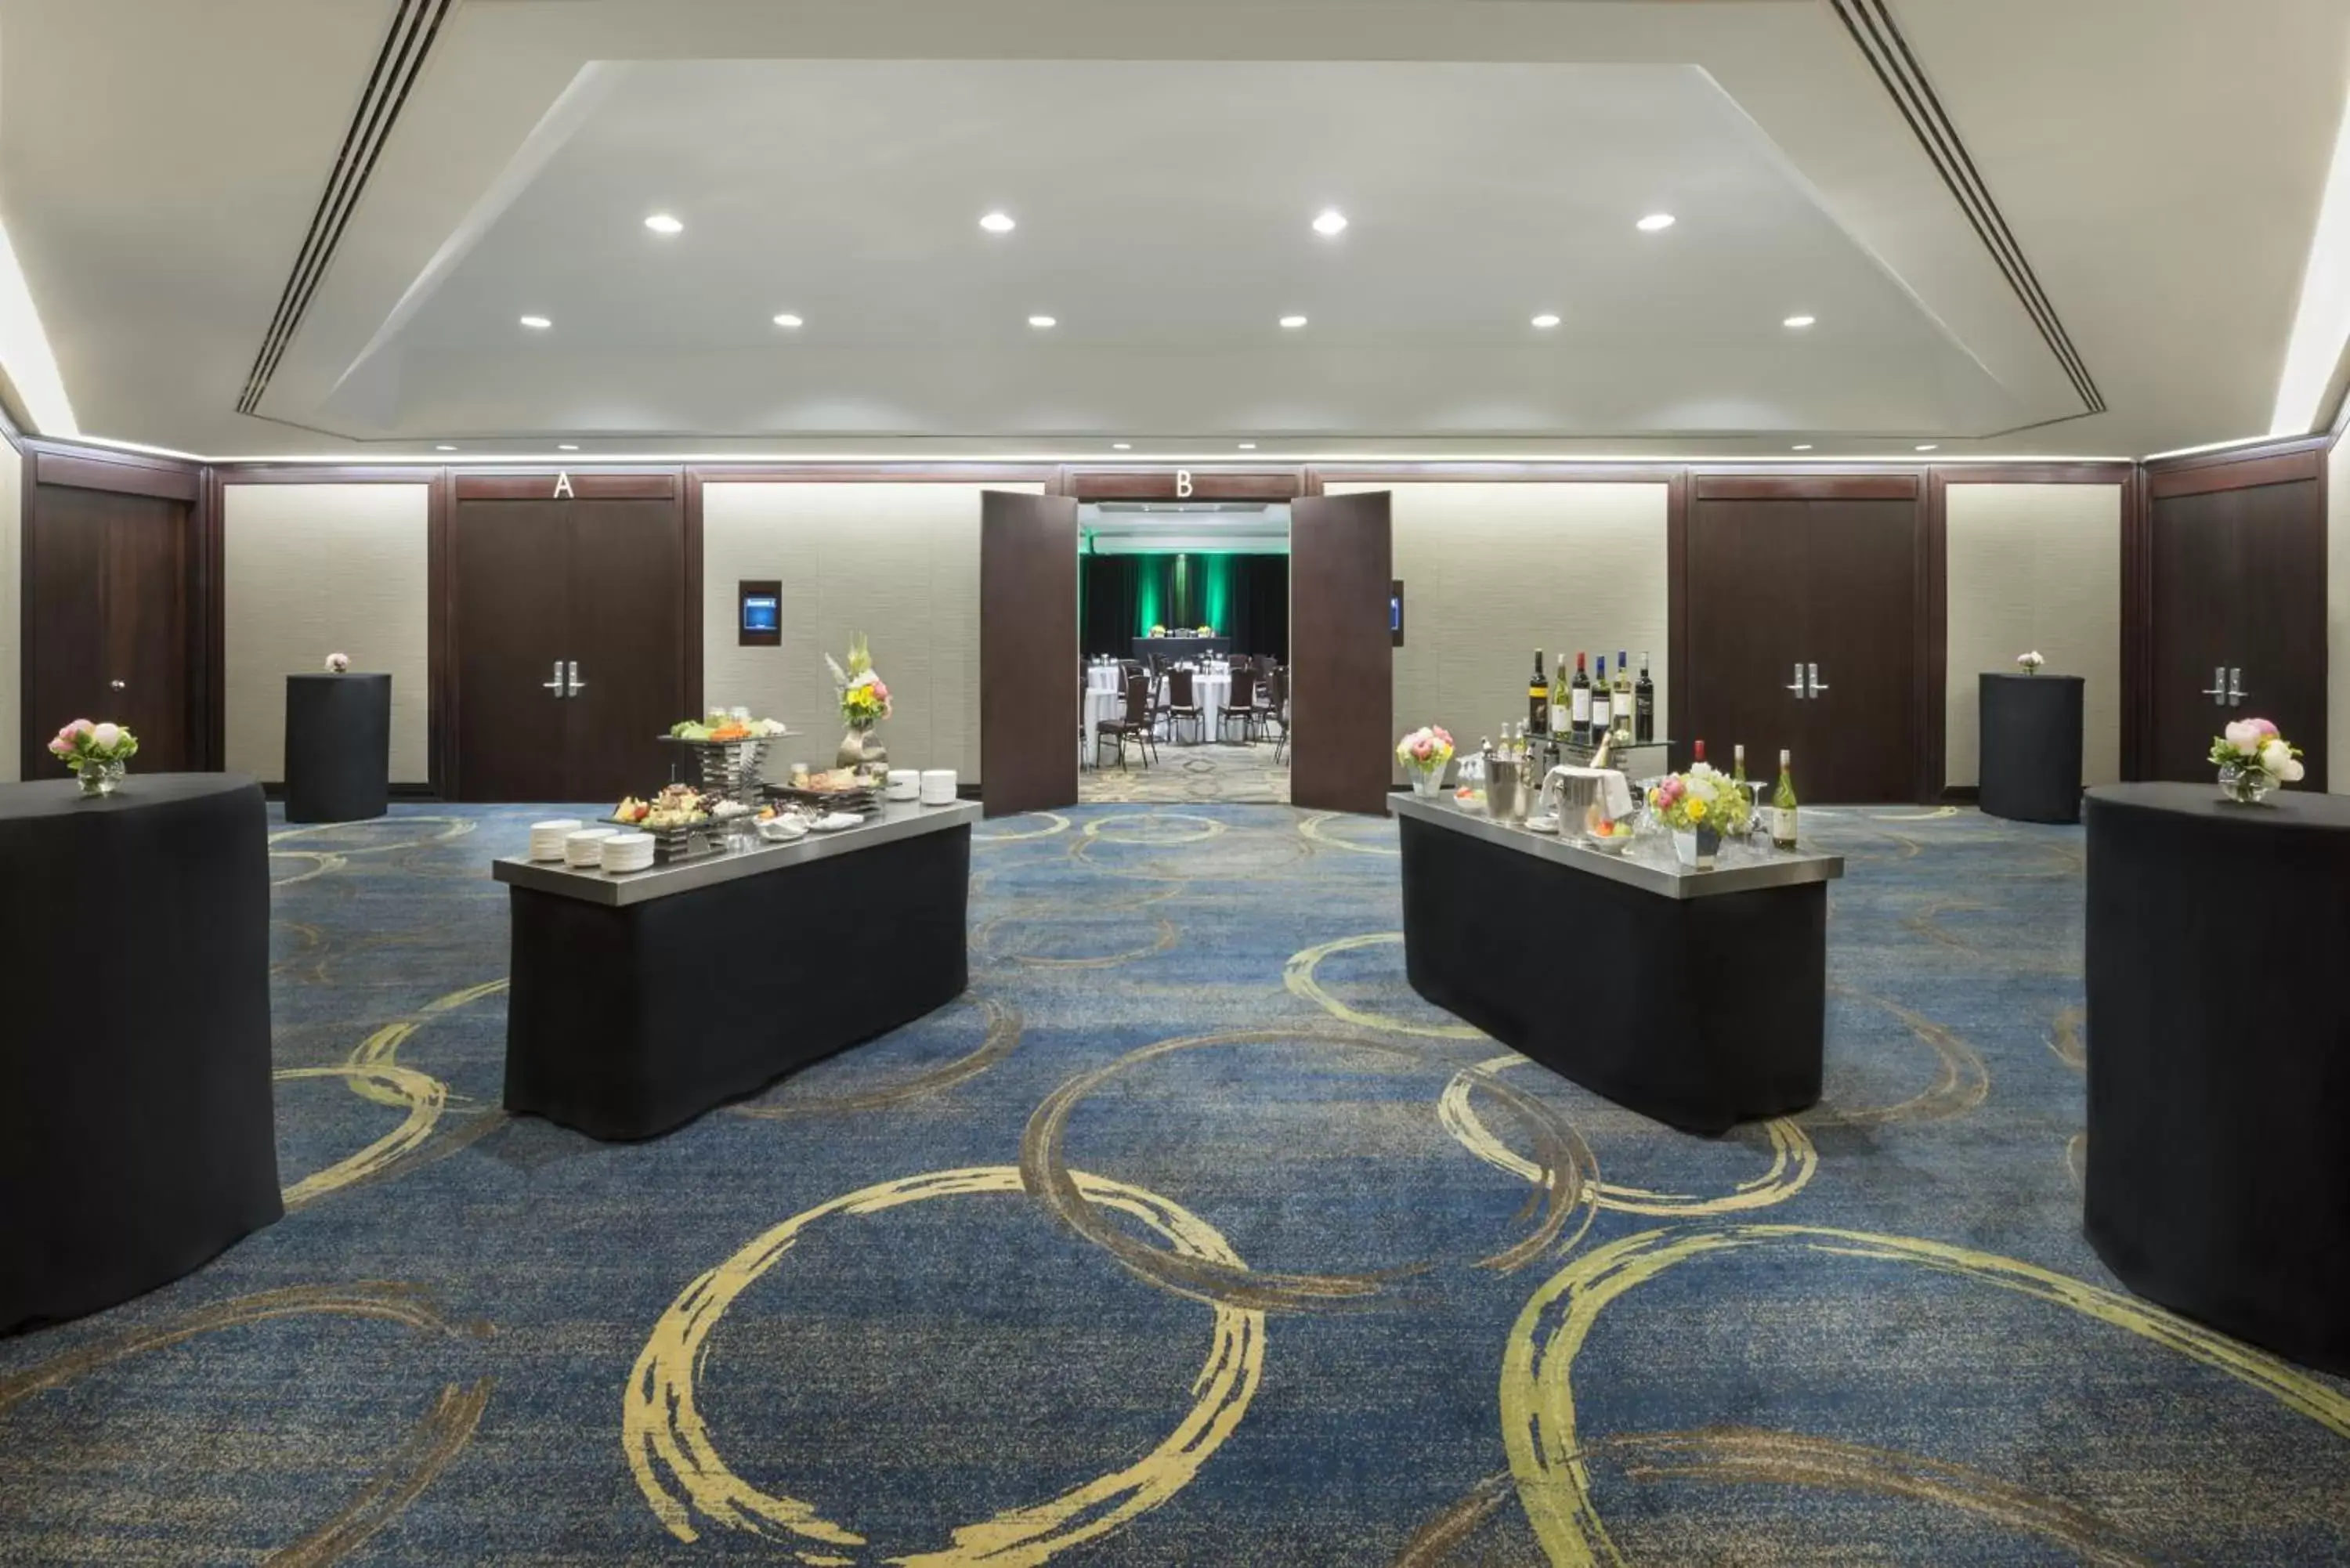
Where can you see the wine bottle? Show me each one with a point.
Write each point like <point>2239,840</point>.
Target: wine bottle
<point>1579,699</point>
<point>1621,706</point>
<point>1737,764</point>
<point>1603,707</point>
<point>1783,807</point>
<point>1643,703</point>
<point>1697,753</point>
<point>1538,698</point>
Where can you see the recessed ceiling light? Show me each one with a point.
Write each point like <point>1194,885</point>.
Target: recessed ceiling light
<point>443,447</point>
<point>1121,446</point>
<point>1042,321</point>
<point>1545,320</point>
<point>1926,446</point>
<point>1799,321</point>
<point>662,223</point>
<point>1655,221</point>
<point>787,319</point>
<point>1330,223</point>
<point>536,323</point>
<point>1292,322</point>
<point>998,223</point>
<point>1248,446</point>
<point>566,446</point>
<point>1803,446</point>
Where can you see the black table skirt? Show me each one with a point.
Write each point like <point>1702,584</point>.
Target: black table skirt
<point>1714,1010</point>
<point>137,1133</point>
<point>338,747</point>
<point>2219,1040</point>
<point>627,1023</point>
<point>2030,731</point>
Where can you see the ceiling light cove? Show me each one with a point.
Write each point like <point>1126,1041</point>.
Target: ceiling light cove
<point>443,447</point>
<point>1291,323</point>
<point>1331,223</point>
<point>1121,446</point>
<point>1656,223</point>
<point>662,223</point>
<point>1547,320</point>
<point>1041,322</point>
<point>536,323</point>
<point>788,320</point>
<point>566,446</point>
<point>1803,446</point>
<point>1248,446</point>
<point>1928,446</point>
<point>1799,321</point>
<point>998,223</point>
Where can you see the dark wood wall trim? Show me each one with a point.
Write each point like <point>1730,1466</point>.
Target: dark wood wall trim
<point>208,599</point>
<point>1808,485</point>
<point>328,474</point>
<point>1933,644</point>
<point>1677,504</point>
<point>2137,629</point>
<point>584,484</point>
<point>1207,483</point>
<point>1564,472</point>
<point>440,651</point>
<point>167,479</point>
<point>690,581</point>
<point>2242,471</point>
<point>875,473</point>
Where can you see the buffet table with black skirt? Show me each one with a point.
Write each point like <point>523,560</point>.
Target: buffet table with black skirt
<point>2218,1046</point>
<point>2031,757</point>
<point>641,1000</point>
<point>1172,649</point>
<point>338,747</point>
<point>137,1132</point>
<point>1699,997</point>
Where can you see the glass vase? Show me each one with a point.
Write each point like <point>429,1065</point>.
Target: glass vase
<point>1426,783</point>
<point>862,749</point>
<point>100,778</point>
<point>2246,786</point>
<point>1695,848</point>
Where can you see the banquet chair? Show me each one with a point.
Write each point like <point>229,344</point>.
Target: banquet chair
<point>1275,713</point>
<point>1135,721</point>
<point>1240,704</point>
<point>1183,702</point>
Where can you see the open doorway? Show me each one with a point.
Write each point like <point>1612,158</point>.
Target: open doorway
<point>1183,623</point>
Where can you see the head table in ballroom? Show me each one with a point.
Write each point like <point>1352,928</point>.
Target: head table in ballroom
<point>138,1134</point>
<point>1171,649</point>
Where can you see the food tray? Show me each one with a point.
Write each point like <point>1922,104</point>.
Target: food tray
<point>863,802</point>
<point>674,844</point>
<point>729,768</point>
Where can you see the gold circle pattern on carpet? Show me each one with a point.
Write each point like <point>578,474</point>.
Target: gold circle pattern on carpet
<point>1298,975</point>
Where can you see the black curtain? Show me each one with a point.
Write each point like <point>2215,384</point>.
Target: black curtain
<point>1259,607</point>
<point>1124,595</point>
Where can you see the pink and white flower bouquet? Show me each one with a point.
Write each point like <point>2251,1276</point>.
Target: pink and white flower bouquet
<point>1424,754</point>
<point>2254,759</point>
<point>96,753</point>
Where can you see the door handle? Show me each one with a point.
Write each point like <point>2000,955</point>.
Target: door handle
<point>1814,679</point>
<point>2218,688</point>
<point>556,685</point>
<point>577,685</point>
<point>1798,687</point>
<point>2236,692</point>
<point>117,685</point>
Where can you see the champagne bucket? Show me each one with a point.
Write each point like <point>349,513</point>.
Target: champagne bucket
<point>1507,788</point>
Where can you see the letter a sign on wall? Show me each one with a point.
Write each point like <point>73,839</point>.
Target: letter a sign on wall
<point>563,487</point>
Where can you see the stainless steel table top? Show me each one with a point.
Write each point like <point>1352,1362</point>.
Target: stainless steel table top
<point>896,820</point>
<point>1647,865</point>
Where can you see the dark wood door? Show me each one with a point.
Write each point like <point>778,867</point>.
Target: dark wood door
<point>1777,584</point>
<point>2239,585</point>
<point>627,637</point>
<point>510,562</point>
<point>106,634</point>
<point>1028,669</point>
<point>1342,653</point>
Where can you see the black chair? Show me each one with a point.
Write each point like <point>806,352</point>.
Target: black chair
<point>1275,713</point>
<point>1134,722</point>
<point>1240,704</point>
<point>1183,702</point>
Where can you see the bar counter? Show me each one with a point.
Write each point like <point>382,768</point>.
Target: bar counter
<point>1699,997</point>
<point>641,1000</point>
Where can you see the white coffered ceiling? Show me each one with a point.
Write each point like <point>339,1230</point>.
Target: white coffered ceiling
<point>2159,164</point>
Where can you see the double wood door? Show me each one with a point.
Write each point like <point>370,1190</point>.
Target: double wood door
<point>2239,612</point>
<point>1803,614</point>
<point>572,636</point>
<point>106,634</point>
<point>1341,652</point>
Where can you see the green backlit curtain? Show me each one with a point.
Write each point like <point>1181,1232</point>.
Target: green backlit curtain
<point>1245,597</point>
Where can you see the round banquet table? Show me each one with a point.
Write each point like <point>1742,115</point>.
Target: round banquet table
<point>2218,1046</point>
<point>137,1138</point>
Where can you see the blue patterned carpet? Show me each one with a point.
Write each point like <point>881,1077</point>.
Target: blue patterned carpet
<point>1190,1236</point>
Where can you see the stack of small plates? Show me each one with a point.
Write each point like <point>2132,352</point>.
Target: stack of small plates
<point>585,848</point>
<point>629,852</point>
<point>938,786</point>
<point>546,837</point>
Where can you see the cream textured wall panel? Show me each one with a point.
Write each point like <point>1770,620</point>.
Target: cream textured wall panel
<point>12,631</point>
<point>898,562</point>
<point>2034,566</point>
<point>2338,619</point>
<point>1491,571</point>
<point>309,569</point>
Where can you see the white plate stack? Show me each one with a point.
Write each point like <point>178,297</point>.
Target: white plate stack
<point>629,852</point>
<point>585,848</point>
<point>905,784</point>
<point>546,837</point>
<point>938,786</point>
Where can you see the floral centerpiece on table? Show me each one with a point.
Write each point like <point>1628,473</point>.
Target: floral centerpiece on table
<point>2030,663</point>
<point>1158,631</point>
<point>2253,760</point>
<point>96,753</point>
<point>1424,754</point>
<point>1701,806</point>
<point>864,704</point>
<point>338,664</point>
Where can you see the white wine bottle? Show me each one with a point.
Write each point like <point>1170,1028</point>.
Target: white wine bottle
<point>1783,807</point>
<point>1603,722</point>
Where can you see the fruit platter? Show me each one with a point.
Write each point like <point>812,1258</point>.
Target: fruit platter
<point>729,749</point>
<point>683,821</point>
<point>834,790</point>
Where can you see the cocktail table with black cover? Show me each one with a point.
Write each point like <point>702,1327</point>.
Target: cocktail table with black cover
<point>2218,1042</point>
<point>2031,754</point>
<point>338,747</point>
<point>137,1136</point>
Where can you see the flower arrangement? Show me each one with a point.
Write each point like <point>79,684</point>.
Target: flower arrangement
<point>864,695</point>
<point>2254,759</point>
<point>338,664</point>
<point>1157,631</point>
<point>1423,754</point>
<point>96,753</point>
<point>1700,800</point>
<point>2030,663</point>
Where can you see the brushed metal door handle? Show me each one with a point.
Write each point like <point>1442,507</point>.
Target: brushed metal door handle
<point>2218,691</point>
<point>1798,687</point>
<point>576,685</point>
<point>2236,692</point>
<point>1814,678</point>
<point>556,685</point>
<point>117,685</point>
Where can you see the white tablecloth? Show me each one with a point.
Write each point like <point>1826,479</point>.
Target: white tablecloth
<point>1101,676</point>
<point>1100,705</point>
